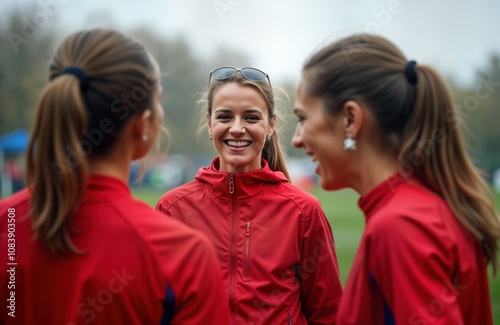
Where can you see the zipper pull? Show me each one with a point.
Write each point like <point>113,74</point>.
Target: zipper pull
<point>231,183</point>
<point>248,229</point>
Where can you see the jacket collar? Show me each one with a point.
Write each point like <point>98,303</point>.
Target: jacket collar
<point>99,186</point>
<point>378,197</point>
<point>245,184</point>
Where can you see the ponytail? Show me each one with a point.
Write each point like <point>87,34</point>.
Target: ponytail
<point>416,121</point>
<point>435,150</point>
<point>274,156</point>
<point>89,72</point>
<point>57,167</point>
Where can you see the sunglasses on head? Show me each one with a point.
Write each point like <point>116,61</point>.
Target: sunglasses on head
<point>248,73</point>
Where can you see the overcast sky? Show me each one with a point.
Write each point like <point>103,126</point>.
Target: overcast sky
<point>455,36</point>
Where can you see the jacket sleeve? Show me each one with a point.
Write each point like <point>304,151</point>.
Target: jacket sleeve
<point>321,289</point>
<point>203,300</point>
<point>162,206</point>
<point>410,266</point>
<point>165,206</point>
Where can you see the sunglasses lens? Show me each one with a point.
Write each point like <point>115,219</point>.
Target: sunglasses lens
<point>223,73</point>
<point>253,74</point>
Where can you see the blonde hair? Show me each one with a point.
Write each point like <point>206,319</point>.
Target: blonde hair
<point>413,122</point>
<point>76,120</point>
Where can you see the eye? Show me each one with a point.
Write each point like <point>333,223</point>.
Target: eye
<point>300,119</point>
<point>253,118</point>
<point>223,117</point>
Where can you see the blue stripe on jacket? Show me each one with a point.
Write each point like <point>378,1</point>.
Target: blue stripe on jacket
<point>388,317</point>
<point>168,307</point>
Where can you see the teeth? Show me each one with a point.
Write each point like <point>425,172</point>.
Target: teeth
<point>238,143</point>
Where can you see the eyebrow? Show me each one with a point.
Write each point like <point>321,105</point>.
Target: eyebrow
<point>250,110</point>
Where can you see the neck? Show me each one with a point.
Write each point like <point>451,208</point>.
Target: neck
<point>374,169</point>
<point>228,168</point>
<point>115,164</point>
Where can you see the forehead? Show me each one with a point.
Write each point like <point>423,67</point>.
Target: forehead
<point>235,96</point>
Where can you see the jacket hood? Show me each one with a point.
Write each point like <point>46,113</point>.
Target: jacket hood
<point>245,184</point>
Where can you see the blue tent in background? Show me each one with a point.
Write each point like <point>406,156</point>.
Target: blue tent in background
<point>14,142</point>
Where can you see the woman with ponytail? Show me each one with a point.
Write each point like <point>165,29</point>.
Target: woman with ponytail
<point>273,240</point>
<point>78,248</point>
<point>386,127</point>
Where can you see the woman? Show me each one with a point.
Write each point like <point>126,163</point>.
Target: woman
<point>273,240</point>
<point>387,128</point>
<point>80,249</point>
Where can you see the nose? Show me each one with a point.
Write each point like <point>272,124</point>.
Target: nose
<point>237,128</point>
<point>297,137</point>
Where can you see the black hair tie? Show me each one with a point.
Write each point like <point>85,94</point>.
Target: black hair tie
<point>84,80</point>
<point>410,72</point>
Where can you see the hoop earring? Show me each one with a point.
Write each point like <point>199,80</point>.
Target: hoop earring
<point>349,143</point>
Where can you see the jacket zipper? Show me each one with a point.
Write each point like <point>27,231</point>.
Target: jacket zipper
<point>233,248</point>
<point>247,251</point>
<point>289,318</point>
<point>231,183</point>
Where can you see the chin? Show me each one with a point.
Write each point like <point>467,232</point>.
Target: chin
<point>329,185</point>
<point>237,163</point>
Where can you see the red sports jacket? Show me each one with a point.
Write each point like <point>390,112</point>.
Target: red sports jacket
<point>416,264</point>
<point>273,240</point>
<point>137,267</point>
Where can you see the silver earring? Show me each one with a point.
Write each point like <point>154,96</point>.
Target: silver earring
<point>268,137</point>
<point>349,143</point>
<point>211,137</point>
<point>145,137</point>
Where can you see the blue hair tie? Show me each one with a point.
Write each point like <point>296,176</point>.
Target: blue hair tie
<point>84,80</point>
<point>410,72</point>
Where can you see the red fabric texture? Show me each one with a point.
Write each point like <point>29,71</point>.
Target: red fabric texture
<point>427,268</point>
<point>131,254</point>
<point>273,241</point>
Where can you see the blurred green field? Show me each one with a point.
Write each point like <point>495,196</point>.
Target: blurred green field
<point>347,223</point>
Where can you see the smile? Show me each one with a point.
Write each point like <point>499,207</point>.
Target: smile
<point>238,144</point>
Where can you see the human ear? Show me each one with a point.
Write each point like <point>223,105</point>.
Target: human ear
<point>142,124</point>
<point>353,117</point>
<point>272,124</point>
<point>209,124</point>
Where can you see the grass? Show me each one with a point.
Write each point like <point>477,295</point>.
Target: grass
<point>347,222</point>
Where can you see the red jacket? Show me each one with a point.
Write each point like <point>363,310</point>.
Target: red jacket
<point>416,264</point>
<point>137,267</point>
<point>273,240</point>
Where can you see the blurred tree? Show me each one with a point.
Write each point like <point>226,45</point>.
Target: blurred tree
<point>28,43</point>
<point>479,108</point>
<point>25,49</point>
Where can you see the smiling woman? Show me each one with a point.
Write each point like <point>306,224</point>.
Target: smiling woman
<point>254,94</point>
<point>240,126</point>
<point>273,240</point>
